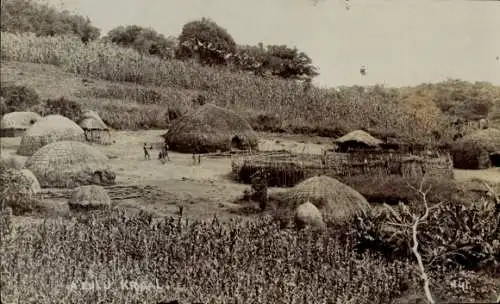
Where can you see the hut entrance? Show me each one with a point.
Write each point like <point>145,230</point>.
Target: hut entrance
<point>495,159</point>
<point>236,143</point>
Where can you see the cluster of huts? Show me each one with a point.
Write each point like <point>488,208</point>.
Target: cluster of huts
<point>60,155</point>
<point>60,152</point>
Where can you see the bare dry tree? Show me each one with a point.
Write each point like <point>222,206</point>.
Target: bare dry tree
<point>401,227</point>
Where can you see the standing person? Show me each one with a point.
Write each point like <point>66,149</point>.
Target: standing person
<point>146,152</point>
<point>165,151</point>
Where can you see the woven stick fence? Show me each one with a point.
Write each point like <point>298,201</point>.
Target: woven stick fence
<point>287,169</point>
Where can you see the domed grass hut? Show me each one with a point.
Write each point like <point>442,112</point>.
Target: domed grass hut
<point>474,150</point>
<point>69,164</point>
<point>32,180</point>
<point>18,191</point>
<point>337,202</point>
<point>90,197</point>
<point>14,124</point>
<point>49,129</point>
<point>210,128</point>
<point>357,140</point>
<point>94,128</point>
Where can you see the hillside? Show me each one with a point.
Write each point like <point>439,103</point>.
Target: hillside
<point>144,90</point>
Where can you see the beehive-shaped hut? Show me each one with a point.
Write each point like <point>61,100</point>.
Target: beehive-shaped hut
<point>49,129</point>
<point>68,164</point>
<point>357,140</point>
<point>94,128</point>
<point>90,197</point>
<point>474,150</point>
<point>336,201</point>
<point>210,128</point>
<point>14,124</point>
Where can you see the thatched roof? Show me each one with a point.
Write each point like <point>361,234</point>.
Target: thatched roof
<point>473,150</point>
<point>49,129</point>
<point>33,181</point>
<point>19,120</point>
<point>359,136</point>
<point>67,164</point>
<point>93,124</point>
<point>90,120</point>
<point>337,201</point>
<point>18,190</point>
<point>208,129</point>
<point>91,197</point>
<point>308,215</point>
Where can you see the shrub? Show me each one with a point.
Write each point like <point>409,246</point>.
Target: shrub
<point>144,40</point>
<point>20,16</point>
<point>17,98</point>
<point>65,107</point>
<point>216,41</point>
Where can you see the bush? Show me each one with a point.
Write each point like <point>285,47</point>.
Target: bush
<point>20,16</point>
<point>144,40</point>
<point>17,98</point>
<point>216,42</point>
<point>65,107</point>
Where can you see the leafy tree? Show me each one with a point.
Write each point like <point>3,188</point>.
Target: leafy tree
<point>206,41</point>
<point>144,40</point>
<point>20,16</point>
<point>289,63</point>
<point>277,60</point>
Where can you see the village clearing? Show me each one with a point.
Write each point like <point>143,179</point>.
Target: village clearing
<point>203,191</point>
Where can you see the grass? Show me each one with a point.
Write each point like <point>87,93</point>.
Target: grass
<point>116,256</point>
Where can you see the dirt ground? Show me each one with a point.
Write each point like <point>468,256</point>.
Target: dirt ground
<point>203,190</point>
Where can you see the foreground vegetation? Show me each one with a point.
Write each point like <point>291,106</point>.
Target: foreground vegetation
<point>116,256</point>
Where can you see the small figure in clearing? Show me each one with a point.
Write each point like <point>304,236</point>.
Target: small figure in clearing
<point>199,159</point>
<point>164,152</point>
<point>260,180</point>
<point>146,152</point>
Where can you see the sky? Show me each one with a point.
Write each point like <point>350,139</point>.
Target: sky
<point>401,42</point>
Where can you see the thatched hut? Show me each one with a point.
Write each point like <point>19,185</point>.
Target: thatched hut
<point>210,128</point>
<point>473,150</point>
<point>32,180</point>
<point>18,191</point>
<point>49,129</point>
<point>336,201</point>
<point>94,128</point>
<point>90,197</point>
<point>357,140</point>
<point>68,164</point>
<point>308,215</point>
<point>14,124</point>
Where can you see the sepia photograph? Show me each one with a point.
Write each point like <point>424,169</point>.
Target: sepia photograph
<point>250,152</point>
